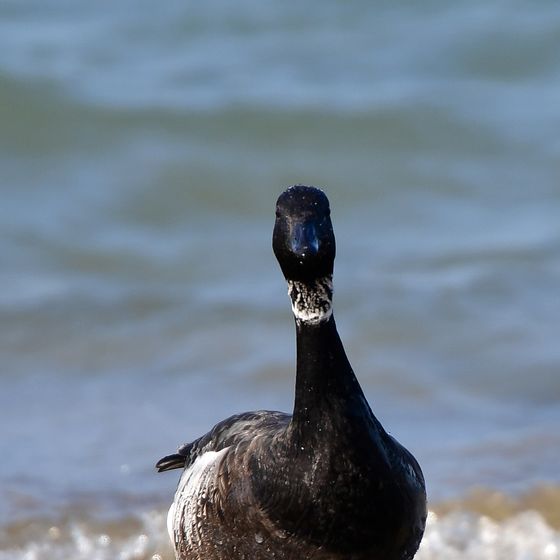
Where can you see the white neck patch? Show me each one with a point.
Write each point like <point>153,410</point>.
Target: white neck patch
<point>311,303</point>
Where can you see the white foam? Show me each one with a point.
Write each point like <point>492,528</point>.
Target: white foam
<point>465,536</point>
<point>455,536</point>
<point>81,541</point>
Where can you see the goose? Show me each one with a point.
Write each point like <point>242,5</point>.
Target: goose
<point>324,483</point>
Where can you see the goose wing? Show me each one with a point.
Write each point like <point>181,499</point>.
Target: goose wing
<point>229,432</point>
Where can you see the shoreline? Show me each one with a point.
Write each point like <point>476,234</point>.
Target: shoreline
<point>482,524</point>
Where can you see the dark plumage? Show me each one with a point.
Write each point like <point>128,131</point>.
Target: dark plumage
<point>326,483</point>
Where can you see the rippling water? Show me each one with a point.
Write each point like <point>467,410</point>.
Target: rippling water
<point>141,153</point>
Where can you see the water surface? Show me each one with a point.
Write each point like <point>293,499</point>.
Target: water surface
<point>142,151</point>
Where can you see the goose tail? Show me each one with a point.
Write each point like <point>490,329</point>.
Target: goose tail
<point>170,462</point>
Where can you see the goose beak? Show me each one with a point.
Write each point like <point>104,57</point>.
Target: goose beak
<point>304,241</point>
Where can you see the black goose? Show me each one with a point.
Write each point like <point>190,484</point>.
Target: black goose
<point>325,483</point>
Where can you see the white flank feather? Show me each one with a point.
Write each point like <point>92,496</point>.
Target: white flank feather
<point>192,493</point>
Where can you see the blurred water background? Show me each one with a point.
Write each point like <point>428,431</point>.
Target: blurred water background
<point>142,148</point>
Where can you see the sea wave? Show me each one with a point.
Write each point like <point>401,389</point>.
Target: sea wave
<point>484,525</point>
<point>139,538</point>
<point>465,536</point>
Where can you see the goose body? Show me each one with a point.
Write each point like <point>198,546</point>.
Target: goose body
<point>325,483</point>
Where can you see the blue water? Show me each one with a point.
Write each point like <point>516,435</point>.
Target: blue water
<point>142,149</point>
